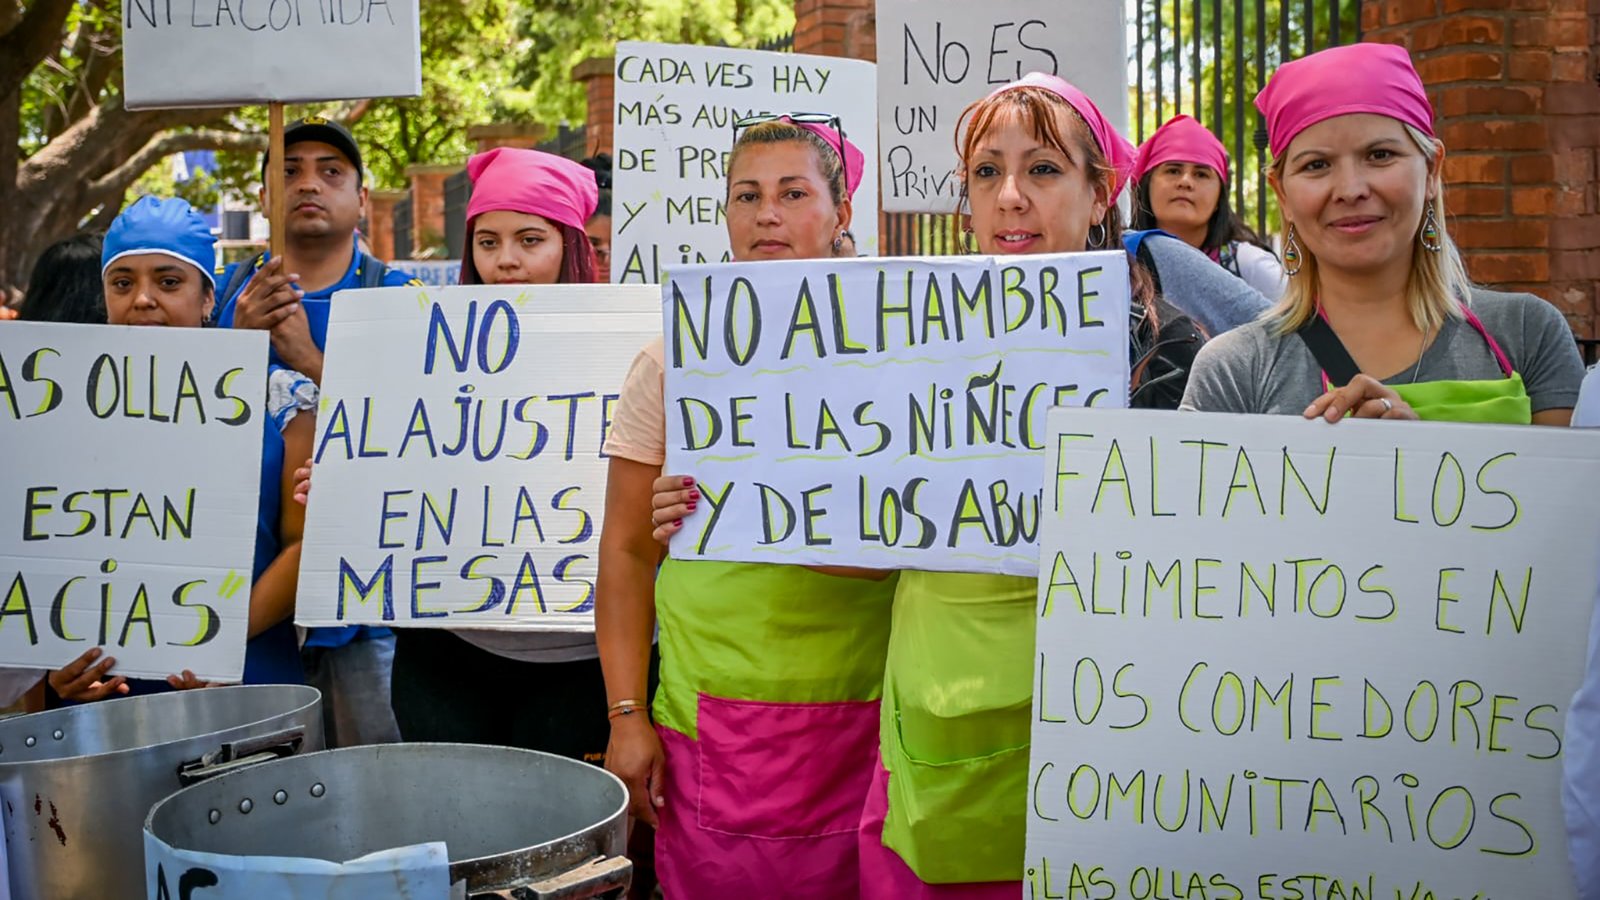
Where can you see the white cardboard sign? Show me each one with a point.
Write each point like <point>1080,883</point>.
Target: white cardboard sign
<point>178,53</point>
<point>459,481</point>
<point>1283,658</point>
<point>937,56</point>
<point>882,412</point>
<point>128,495</point>
<point>421,871</point>
<point>676,106</point>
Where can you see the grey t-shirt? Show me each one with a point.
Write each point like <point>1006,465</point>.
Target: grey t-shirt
<point>1255,370</point>
<point>1201,289</point>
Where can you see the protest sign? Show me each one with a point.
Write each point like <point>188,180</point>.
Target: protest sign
<point>431,272</point>
<point>128,495</point>
<point>883,412</point>
<point>1280,658</point>
<point>676,106</point>
<point>937,56</point>
<point>420,870</point>
<point>459,478</point>
<point>178,53</point>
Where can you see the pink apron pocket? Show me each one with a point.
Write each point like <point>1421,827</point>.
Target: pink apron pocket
<point>785,770</point>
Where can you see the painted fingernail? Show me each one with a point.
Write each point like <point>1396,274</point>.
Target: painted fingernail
<point>691,506</point>
<point>677,523</point>
<point>693,496</point>
<point>688,482</point>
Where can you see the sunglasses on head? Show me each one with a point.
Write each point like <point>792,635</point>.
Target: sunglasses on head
<point>831,121</point>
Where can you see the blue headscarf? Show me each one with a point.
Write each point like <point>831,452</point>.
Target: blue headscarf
<point>166,227</point>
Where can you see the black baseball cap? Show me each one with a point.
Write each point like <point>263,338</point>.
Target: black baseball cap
<point>327,131</point>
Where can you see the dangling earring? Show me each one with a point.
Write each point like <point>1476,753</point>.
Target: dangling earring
<point>1291,255</point>
<point>1430,232</point>
<point>1100,241</point>
<point>966,241</point>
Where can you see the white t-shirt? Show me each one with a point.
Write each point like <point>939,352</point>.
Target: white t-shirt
<point>1261,270</point>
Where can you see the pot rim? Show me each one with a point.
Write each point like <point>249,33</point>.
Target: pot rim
<point>310,695</point>
<point>410,747</point>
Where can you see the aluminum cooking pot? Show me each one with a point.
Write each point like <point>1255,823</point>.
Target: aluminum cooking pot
<point>77,783</point>
<point>516,823</point>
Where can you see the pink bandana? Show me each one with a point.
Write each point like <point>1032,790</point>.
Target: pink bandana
<point>854,161</point>
<point>1118,150</point>
<point>1182,139</point>
<point>533,182</point>
<point>1341,81</point>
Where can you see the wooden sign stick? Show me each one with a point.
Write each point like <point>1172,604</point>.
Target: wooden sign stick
<point>277,203</point>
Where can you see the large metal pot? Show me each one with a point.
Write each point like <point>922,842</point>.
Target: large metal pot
<point>77,783</point>
<point>516,823</point>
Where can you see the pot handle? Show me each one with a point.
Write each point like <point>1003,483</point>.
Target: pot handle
<point>242,754</point>
<point>602,876</point>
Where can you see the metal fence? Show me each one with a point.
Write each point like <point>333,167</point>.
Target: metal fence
<point>402,229</point>
<point>1209,58</point>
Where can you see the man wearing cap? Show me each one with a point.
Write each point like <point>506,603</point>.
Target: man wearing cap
<point>325,201</point>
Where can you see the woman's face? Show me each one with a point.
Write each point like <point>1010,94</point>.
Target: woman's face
<point>1355,188</point>
<point>1184,195</point>
<point>779,206</point>
<point>1027,196</point>
<point>516,248</point>
<point>156,289</point>
<point>598,228</point>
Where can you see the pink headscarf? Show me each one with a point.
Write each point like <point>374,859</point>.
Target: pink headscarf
<point>1119,150</point>
<point>533,182</point>
<point>854,160</point>
<point>1182,139</point>
<point>1340,81</point>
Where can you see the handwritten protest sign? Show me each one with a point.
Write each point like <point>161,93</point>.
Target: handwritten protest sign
<point>179,53</point>
<point>128,495</point>
<point>1281,658</point>
<point>676,106</point>
<point>420,870</point>
<point>883,412</point>
<point>459,478</point>
<point>937,56</point>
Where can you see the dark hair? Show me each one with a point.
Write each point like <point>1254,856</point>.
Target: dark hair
<point>65,285</point>
<point>1225,225</point>
<point>578,265</point>
<point>600,164</point>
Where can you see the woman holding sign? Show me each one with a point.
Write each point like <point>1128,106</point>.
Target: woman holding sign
<point>157,266</point>
<point>770,675</point>
<point>1180,185</point>
<point>1380,319</point>
<point>525,223</point>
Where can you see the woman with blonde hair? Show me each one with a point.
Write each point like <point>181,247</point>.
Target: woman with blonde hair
<point>1379,319</point>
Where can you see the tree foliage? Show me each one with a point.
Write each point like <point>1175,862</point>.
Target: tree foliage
<point>559,34</point>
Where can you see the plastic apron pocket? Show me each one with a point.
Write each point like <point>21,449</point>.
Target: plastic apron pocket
<point>785,770</point>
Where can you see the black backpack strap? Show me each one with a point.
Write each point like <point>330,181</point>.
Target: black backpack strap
<point>372,271</point>
<point>1329,351</point>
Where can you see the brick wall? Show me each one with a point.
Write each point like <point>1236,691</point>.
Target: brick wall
<point>427,204</point>
<point>380,222</point>
<point>1518,109</point>
<point>836,28</point>
<point>597,74</point>
<point>506,134</point>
